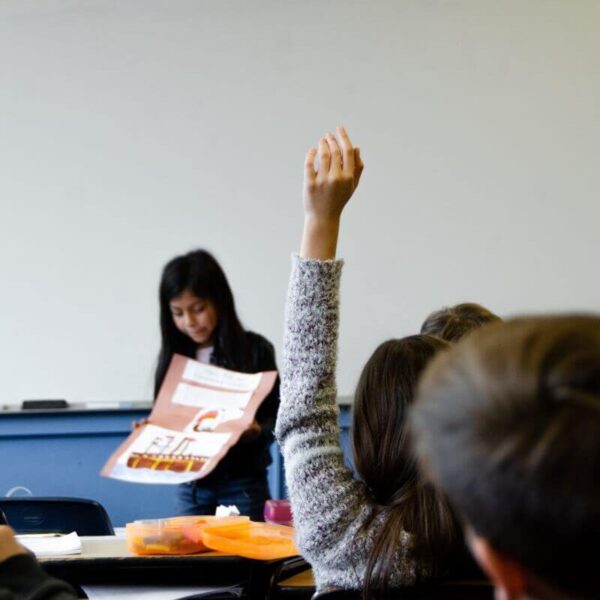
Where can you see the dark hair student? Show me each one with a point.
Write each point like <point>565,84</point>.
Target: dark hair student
<point>384,460</point>
<point>507,423</point>
<point>198,319</point>
<point>387,527</point>
<point>199,274</point>
<point>453,322</point>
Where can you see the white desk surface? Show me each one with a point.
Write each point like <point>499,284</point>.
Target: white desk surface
<point>109,546</point>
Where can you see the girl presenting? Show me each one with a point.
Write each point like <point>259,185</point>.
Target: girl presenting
<point>198,319</point>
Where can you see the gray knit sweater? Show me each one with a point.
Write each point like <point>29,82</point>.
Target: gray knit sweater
<point>331,509</point>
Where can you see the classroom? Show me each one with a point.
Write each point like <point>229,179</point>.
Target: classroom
<point>155,193</point>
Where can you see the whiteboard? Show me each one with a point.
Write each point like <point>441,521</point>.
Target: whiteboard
<point>134,131</point>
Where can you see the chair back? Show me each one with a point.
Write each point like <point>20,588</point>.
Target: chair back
<point>56,515</point>
<point>280,586</point>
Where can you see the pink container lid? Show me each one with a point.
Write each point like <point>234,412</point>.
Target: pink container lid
<point>278,511</point>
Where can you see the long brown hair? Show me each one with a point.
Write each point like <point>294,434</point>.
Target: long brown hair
<point>384,460</point>
<point>507,423</point>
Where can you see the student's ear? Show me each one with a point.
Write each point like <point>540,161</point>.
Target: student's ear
<point>508,577</point>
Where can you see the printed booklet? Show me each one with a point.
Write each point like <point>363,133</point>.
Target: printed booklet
<point>201,411</point>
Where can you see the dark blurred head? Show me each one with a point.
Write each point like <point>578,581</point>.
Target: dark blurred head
<point>507,423</point>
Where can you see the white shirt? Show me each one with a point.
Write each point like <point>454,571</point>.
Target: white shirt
<point>203,354</point>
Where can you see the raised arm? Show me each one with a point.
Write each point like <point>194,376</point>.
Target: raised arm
<point>330,507</point>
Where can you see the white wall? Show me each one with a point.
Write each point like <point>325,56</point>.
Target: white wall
<point>133,130</point>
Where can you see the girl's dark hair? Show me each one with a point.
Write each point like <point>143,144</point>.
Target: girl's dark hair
<point>507,423</point>
<point>384,461</point>
<point>452,322</point>
<point>201,274</point>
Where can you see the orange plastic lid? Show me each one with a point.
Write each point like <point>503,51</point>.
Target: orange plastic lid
<point>193,526</point>
<point>178,535</point>
<point>261,541</point>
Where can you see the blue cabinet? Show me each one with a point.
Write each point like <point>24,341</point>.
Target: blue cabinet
<point>60,453</point>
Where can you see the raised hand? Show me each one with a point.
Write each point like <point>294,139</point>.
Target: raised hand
<point>327,189</point>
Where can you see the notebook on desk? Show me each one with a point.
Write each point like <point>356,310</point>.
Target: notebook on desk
<point>51,544</point>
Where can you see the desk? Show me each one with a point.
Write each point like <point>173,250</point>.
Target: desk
<point>107,560</point>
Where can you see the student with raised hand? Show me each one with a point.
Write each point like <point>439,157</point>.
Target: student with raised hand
<point>22,577</point>
<point>388,528</point>
<point>198,319</point>
<point>507,423</point>
<point>453,322</point>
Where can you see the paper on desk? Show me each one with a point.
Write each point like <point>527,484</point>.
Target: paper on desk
<point>51,544</point>
<point>109,592</point>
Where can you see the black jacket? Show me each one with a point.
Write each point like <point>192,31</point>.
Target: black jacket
<point>22,577</point>
<point>253,457</point>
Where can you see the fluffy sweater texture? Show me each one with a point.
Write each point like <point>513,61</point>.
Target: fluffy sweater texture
<point>333,512</point>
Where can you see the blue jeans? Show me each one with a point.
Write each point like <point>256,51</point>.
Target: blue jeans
<point>247,493</point>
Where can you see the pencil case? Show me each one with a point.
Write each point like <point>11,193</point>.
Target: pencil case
<point>177,535</point>
<point>261,541</point>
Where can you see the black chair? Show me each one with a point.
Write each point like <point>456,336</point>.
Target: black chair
<point>279,590</point>
<point>442,590</point>
<point>56,515</point>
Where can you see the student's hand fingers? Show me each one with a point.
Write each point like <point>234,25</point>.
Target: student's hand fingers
<point>336,156</point>
<point>347,150</point>
<point>358,166</point>
<point>336,179</point>
<point>309,168</point>
<point>324,160</point>
<point>327,191</point>
<point>8,544</point>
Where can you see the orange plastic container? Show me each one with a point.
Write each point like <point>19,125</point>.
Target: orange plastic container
<point>178,535</point>
<point>261,541</point>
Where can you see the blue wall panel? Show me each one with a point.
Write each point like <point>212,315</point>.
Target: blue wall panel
<point>60,453</point>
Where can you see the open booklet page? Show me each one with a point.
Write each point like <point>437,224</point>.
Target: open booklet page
<point>201,411</point>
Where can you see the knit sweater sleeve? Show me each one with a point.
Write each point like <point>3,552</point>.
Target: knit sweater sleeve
<point>332,511</point>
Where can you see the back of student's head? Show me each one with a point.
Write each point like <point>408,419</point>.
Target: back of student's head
<point>507,422</point>
<point>453,322</point>
<point>384,460</point>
